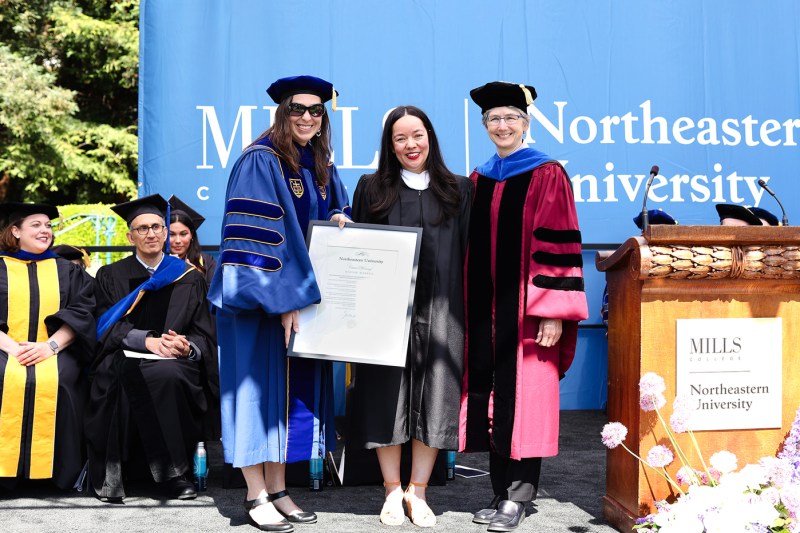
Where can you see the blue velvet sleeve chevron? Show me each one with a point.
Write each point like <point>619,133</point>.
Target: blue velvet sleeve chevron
<point>263,261</point>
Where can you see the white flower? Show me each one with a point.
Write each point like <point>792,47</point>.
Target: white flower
<point>790,497</point>
<point>779,471</point>
<point>724,461</point>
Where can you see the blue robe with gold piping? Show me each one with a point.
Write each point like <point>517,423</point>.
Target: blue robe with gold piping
<point>273,408</point>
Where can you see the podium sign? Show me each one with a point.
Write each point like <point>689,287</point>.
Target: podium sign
<point>730,369</point>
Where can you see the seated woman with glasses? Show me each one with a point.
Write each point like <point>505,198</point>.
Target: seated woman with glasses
<point>278,185</point>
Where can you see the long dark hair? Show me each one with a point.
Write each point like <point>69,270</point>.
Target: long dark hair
<point>280,133</point>
<point>383,188</point>
<point>193,251</point>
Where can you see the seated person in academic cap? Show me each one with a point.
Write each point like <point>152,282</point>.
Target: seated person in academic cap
<point>46,338</point>
<point>154,409</point>
<point>183,242</point>
<point>73,254</point>
<point>740,215</point>
<point>654,216</point>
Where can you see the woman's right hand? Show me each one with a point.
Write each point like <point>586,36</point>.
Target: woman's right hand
<point>9,345</point>
<point>290,322</point>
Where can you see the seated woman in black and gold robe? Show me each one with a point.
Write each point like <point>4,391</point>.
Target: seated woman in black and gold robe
<point>47,332</point>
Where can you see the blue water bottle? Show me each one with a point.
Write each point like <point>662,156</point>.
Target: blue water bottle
<point>451,465</point>
<point>200,467</point>
<point>315,474</point>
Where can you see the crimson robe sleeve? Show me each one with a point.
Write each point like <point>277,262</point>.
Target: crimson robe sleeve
<point>555,281</point>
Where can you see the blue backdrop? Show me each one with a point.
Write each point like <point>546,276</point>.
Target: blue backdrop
<point>709,91</point>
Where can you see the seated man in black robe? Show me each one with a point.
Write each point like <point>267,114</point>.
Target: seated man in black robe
<point>150,305</point>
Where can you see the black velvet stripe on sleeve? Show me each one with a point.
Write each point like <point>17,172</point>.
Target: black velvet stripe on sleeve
<point>558,283</point>
<point>558,260</point>
<point>479,315</point>
<point>558,236</point>
<point>508,256</point>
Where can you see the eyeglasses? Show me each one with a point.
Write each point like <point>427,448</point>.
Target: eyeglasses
<point>298,110</point>
<point>144,230</point>
<point>508,119</point>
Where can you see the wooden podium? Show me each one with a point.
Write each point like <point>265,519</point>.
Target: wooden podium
<point>676,272</point>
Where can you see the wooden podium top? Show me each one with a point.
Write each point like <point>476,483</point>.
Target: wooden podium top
<point>709,252</point>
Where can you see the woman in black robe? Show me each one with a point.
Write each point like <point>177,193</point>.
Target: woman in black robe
<point>47,331</point>
<point>390,406</point>
<point>183,240</point>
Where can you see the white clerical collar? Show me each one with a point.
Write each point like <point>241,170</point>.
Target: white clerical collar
<point>418,182</point>
<point>145,265</point>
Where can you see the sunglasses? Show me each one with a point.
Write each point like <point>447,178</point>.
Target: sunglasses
<point>298,110</point>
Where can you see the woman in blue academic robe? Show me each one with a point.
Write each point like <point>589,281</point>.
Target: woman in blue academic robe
<point>275,410</point>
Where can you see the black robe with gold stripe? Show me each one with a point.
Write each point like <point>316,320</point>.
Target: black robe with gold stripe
<point>41,406</point>
<point>164,407</point>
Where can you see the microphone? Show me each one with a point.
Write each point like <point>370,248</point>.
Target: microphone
<point>764,186</point>
<point>645,216</point>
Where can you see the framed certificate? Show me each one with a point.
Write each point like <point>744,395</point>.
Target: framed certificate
<point>367,275</point>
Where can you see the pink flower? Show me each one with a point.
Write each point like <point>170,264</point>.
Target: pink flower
<point>681,414</point>
<point>613,434</point>
<point>659,456</point>
<point>651,383</point>
<point>686,475</point>
<point>651,392</point>
<point>651,402</point>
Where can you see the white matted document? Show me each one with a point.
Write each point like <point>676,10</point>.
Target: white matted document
<point>367,275</point>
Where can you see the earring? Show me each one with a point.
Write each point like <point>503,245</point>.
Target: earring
<point>319,132</point>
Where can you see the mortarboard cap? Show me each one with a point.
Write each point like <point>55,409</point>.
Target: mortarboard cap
<point>738,212</point>
<point>286,87</point>
<point>655,216</point>
<point>503,94</point>
<point>181,207</point>
<point>12,211</point>
<point>153,204</point>
<point>73,253</point>
<point>766,215</point>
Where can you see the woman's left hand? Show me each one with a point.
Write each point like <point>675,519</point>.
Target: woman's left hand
<point>341,219</point>
<point>549,332</point>
<point>31,353</point>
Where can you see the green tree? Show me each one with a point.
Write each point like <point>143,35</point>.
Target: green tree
<point>68,100</point>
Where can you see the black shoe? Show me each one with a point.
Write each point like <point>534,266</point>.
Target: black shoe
<point>297,517</point>
<point>508,517</point>
<point>180,488</point>
<point>279,527</point>
<point>110,499</point>
<point>484,516</point>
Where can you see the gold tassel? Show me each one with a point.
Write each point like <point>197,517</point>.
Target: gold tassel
<point>528,97</point>
<point>333,101</point>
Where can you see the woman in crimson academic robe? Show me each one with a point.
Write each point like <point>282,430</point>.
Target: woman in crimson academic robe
<point>275,409</point>
<point>524,294</point>
<point>419,403</point>
<point>46,338</point>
